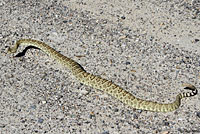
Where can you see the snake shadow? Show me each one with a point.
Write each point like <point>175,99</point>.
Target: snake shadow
<point>20,54</point>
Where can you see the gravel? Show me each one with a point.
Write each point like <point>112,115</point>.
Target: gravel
<point>150,48</point>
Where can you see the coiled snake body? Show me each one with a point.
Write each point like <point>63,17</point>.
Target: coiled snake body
<point>103,84</point>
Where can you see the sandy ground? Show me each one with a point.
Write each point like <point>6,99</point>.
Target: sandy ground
<point>150,48</point>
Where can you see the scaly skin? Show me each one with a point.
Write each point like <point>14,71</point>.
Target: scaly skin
<point>103,84</point>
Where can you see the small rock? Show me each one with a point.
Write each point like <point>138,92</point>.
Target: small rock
<point>198,114</point>
<point>123,17</point>
<point>196,40</point>
<point>40,120</point>
<point>106,132</point>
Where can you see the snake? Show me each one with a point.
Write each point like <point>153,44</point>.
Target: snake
<point>103,84</point>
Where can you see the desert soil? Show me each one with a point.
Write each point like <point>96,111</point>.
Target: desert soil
<point>150,48</point>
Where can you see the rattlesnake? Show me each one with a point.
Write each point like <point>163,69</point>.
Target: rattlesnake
<point>103,84</point>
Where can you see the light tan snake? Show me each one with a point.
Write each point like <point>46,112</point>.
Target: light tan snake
<point>103,84</point>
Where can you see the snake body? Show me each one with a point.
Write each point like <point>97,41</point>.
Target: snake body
<point>103,84</point>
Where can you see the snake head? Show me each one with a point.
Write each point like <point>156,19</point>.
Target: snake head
<point>11,50</point>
